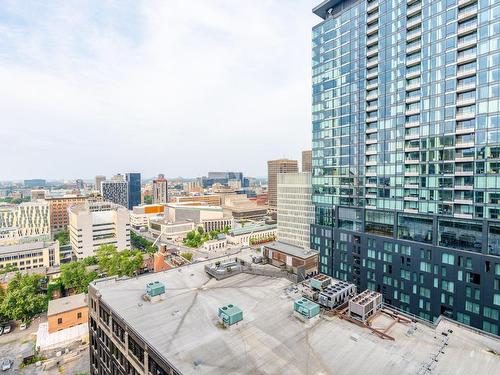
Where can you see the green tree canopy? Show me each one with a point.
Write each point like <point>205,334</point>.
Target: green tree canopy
<point>75,276</point>
<point>62,237</point>
<point>121,263</point>
<point>23,298</point>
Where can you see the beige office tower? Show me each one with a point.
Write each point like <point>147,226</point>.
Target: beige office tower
<point>307,161</point>
<point>98,181</point>
<point>160,190</point>
<point>273,168</point>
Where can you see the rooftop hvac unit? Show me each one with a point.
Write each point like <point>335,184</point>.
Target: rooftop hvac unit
<point>230,314</point>
<point>305,309</point>
<point>155,289</point>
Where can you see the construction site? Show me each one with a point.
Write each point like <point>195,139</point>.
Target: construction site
<point>256,324</point>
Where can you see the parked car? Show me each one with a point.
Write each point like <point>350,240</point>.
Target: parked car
<point>6,364</point>
<point>23,326</point>
<point>6,328</point>
<point>1,330</point>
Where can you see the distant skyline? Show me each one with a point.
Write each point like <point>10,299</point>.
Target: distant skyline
<point>173,87</point>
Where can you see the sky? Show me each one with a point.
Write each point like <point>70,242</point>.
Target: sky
<point>176,87</point>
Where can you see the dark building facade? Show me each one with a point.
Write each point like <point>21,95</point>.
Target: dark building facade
<point>134,189</point>
<point>405,153</point>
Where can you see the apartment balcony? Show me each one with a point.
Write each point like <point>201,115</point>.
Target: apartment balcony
<point>371,7</point>
<point>371,141</point>
<point>464,30</point>
<point>465,116</point>
<point>464,173</point>
<point>411,199</point>
<point>410,112</point>
<point>463,216</point>
<point>371,152</point>
<point>372,18</point>
<point>465,102</point>
<point>463,201</point>
<point>412,174</point>
<point>371,196</point>
<point>465,130</point>
<point>466,44</point>
<point>371,207</point>
<point>412,99</point>
<point>464,187</point>
<point>371,174</point>
<point>410,2</point>
<point>372,29</point>
<point>463,3</point>
<point>372,40</point>
<point>372,75</point>
<point>413,86</point>
<point>464,159</point>
<point>465,144</point>
<point>372,108</point>
<point>413,35</point>
<point>413,74</point>
<point>412,161</point>
<point>371,119</point>
<point>372,86</point>
<point>411,210</point>
<point>372,52</point>
<point>372,96</point>
<point>370,163</point>
<point>413,124</point>
<point>414,23</point>
<point>413,9</point>
<point>371,130</point>
<point>371,64</point>
<point>414,48</point>
<point>469,13</point>
<point>466,73</point>
<point>412,149</point>
<point>370,185</point>
<point>411,137</point>
<point>411,186</point>
<point>467,87</point>
<point>466,58</point>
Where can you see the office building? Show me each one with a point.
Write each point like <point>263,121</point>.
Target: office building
<point>115,191</point>
<point>59,217</point>
<point>134,189</point>
<point>30,255</point>
<point>80,184</point>
<point>207,217</point>
<point>273,168</point>
<point>406,148</point>
<point>170,231</point>
<point>307,161</point>
<point>222,178</point>
<point>98,181</point>
<point>160,190</point>
<point>241,208</point>
<point>295,208</point>
<point>140,215</point>
<point>93,224</point>
<point>37,194</point>
<point>207,199</point>
<point>175,330</point>
<point>25,222</point>
<point>34,183</point>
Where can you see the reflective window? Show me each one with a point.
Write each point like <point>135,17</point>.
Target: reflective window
<point>414,228</point>
<point>460,235</point>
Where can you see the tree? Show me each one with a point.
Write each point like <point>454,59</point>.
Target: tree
<point>62,237</point>
<point>120,263</point>
<point>75,276</point>
<point>187,256</point>
<point>148,199</point>
<point>23,298</point>
<point>139,242</point>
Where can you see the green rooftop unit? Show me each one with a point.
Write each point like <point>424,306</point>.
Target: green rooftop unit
<point>155,288</point>
<point>230,314</point>
<point>306,308</point>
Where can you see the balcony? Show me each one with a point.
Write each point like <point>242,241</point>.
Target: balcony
<point>372,52</point>
<point>413,9</point>
<point>372,86</point>
<point>372,108</point>
<point>465,102</point>
<point>463,3</point>
<point>371,141</point>
<point>464,187</point>
<point>462,59</point>
<point>372,6</point>
<point>466,73</point>
<point>410,112</point>
<point>371,152</point>
<point>466,87</point>
<point>412,149</point>
<point>413,35</point>
<point>371,119</point>
<point>414,74</point>
<point>410,137</point>
<point>466,44</point>
<point>467,13</point>
<point>371,174</point>
<point>412,161</point>
<point>372,96</point>
<point>413,124</point>
<point>465,116</point>
<point>372,18</point>
<point>413,60</point>
<point>414,48</point>
<point>372,29</point>
<point>371,130</point>
<point>411,186</point>
<point>462,201</point>
<point>414,23</point>
<point>465,144</point>
<point>412,99</point>
<point>372,75</point>
<point>372,40</point>
<point>413,86</point>
<point>370,163</point>
<point>411,210</point>
<point>464,159</point>
<point>463,216</point>
<point>469,130</point>
<point>466,28</point>
<point>371,64</point>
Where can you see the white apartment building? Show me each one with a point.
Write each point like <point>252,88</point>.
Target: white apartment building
<point>93,224</point>
<point>295,208</point>
<point>25,222</point>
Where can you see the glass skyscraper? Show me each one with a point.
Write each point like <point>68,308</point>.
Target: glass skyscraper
<point>134,189</point>
<point>406,153</point>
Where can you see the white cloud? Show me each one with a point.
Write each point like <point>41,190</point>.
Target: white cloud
<point>176,87</point>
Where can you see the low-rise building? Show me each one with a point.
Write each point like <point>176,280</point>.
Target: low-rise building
<point>241,208</point>
<point>208,217</point>
<point>170,231</point>
<point>67,322</point>
<point>215,246</point>
<point>93,224</point>
<point>207,199</point>
<point>29,255</point>
<point>251,234</point>
<point>300,261</point>
<point>140,215</point>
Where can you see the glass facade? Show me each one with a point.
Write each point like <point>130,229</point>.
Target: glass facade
<point>406,148</point>
<point>134,189</point>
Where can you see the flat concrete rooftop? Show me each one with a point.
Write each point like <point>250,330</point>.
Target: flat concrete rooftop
<point>270,340</point>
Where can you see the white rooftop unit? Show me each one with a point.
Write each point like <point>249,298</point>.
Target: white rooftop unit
<point>337,293</point>
<point>365,305</point>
